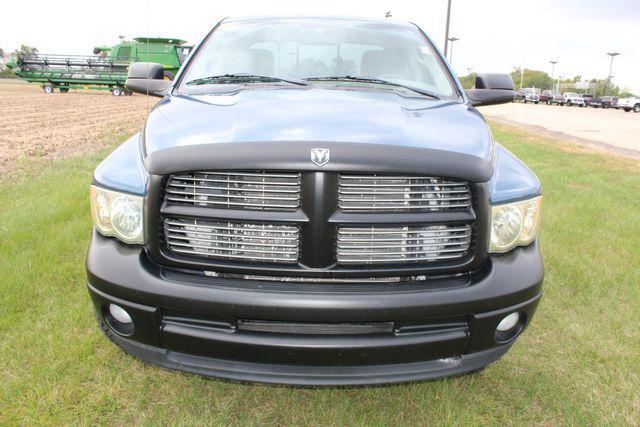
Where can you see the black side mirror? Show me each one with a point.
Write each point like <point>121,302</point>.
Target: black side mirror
<point>147,78</point>
<point>491,89</point>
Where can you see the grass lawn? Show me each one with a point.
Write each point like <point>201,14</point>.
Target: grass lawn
<point>578,363</point>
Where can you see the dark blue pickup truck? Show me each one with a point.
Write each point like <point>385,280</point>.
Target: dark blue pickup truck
<point>315,201</point>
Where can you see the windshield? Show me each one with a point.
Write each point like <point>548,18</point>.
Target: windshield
<point>302,49</point>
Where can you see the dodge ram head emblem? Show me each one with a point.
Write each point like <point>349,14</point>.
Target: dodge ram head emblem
<point>320,156</point>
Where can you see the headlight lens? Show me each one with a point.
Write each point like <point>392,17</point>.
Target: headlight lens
<point>118,214</point>
<point>514,224</point>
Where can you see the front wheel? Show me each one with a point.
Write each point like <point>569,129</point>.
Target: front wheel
<point>116,91</point>
<point>636,108</point>
<point>536,102</point>
<point>47,89</point>
<point>626,110</point>
<point>64,89</point>
<point>568,103</point>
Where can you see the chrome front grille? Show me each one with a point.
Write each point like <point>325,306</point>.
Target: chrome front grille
<point>400,244</point>
<point>381,192</point>
<point>231,240</point>
<point>235,190</point>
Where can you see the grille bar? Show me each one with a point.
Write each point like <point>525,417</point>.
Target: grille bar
<point>376,244</point>
<point>235,190</point>
<point>402,193</point>
<point>233,240</point>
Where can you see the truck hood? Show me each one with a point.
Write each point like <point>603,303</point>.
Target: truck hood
<point>317,114</point>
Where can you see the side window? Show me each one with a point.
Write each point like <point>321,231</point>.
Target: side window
<point>124,53</point>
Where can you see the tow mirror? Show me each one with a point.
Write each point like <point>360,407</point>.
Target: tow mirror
<point>491,89</point>
<point>147,78</point>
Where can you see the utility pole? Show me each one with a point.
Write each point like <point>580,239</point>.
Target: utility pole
<point>521,76</point>
<point>612,55</point>
<point>446,29</point>
<point>553,68</point>
<point>452,39</point>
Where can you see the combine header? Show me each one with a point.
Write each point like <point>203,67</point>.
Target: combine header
<point>107,70</point>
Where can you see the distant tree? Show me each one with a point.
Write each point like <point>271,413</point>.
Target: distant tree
<point>25,49</point>
<point>1,52</point>
<point>468,81</point>
<point>531,78</point>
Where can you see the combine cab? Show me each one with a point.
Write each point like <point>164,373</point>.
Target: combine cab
<point>106,70</point>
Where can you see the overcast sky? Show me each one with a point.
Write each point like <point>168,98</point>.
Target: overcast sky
<point>495,35</point>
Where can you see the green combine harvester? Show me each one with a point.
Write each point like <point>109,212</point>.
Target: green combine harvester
<point>106,70</point>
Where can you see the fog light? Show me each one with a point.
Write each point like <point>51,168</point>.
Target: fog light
<point>119,314</point>
<point>508,323</point>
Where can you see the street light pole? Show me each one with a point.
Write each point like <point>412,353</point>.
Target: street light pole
<point>446,29</point>
<point>452,39</point>
<point>612,55</point>
<point>521,76</point>
<point>553,68</point>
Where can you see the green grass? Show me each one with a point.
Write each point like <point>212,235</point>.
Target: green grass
<point>578,363</point>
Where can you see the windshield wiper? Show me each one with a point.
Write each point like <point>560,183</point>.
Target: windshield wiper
<point>244,78</point>
<point>373,80</point>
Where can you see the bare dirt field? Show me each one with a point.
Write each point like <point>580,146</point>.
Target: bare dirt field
<point>613,130</point>
<point>34,124</point>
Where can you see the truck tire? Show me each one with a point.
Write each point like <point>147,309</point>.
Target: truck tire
<point>626,110</point>
<point>636,108</point>
<point>536,102</point>
<point>116,91</point>
<point>64,89</point>
<point>47,88</point>
<point>524,100</point>
<point>569,104</point>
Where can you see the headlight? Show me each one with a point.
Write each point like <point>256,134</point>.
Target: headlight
<point>514,224</point>
<point>117,214</point>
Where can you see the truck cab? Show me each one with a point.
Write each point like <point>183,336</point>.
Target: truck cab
<point>169,52</point>
<point>315,201</point>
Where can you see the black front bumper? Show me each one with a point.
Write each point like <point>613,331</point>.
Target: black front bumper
<point>308,333</point>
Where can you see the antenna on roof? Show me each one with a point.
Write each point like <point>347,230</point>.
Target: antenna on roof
<point>388,14</point>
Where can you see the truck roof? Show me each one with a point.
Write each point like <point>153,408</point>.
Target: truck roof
<point>159,40</point>
<point>387,21</point>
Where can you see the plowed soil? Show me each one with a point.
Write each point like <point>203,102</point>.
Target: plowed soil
<point>34,124</point>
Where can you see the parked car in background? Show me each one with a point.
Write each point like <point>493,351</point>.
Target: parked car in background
<point>630,103</point>
<point>609,102</point>
<point>528,94</point>
<point>551,97</point>
<point>588,97</point>
<point>572,98</point>
<point>604,102</point>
